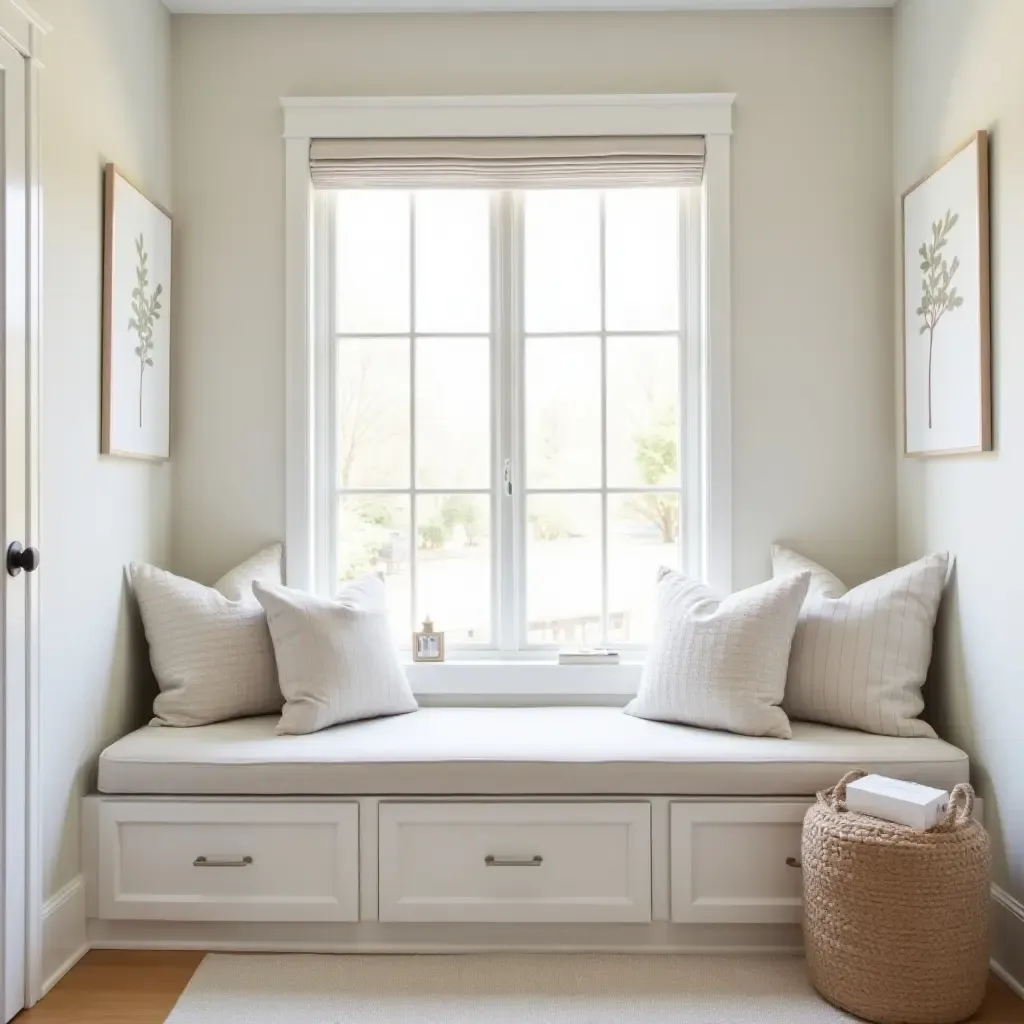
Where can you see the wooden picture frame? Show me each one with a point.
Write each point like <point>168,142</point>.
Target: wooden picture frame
<point>946,277</point>
<point>137,263</point>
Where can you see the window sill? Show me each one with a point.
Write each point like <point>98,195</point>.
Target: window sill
<point>521,679</point>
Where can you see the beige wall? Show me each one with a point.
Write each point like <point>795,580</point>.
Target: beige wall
<point>958,69</point>
<point>105,96</point>
<point>812,254</point>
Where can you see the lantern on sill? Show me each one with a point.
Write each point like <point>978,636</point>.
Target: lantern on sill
<point>428,645</point>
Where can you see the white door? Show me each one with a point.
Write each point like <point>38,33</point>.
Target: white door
<point>14,510</point>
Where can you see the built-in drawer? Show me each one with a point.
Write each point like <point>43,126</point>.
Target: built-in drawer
<point>495,862</point>
<point>737,862</point>
<point>229,861</point>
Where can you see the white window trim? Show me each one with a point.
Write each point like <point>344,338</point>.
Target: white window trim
<point>709,115</point>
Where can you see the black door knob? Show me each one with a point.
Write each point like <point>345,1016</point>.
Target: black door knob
<point>19,558</point>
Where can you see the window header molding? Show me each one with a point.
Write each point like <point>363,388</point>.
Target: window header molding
<point>440,117</point>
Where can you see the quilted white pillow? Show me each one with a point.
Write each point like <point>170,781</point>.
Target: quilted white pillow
<point>336,660</point>
<point>209,646</point>
<point>720,664</point>
<point>860,657</point>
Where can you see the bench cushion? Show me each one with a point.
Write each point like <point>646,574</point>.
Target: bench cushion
<point>510,751</point>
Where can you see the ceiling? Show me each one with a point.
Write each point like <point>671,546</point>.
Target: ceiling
<point>495,6</point>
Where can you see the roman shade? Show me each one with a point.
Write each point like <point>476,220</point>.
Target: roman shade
<point>508,163</point>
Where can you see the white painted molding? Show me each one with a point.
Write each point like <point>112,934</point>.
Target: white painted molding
<point>1008,939</point>
<point>705,114</point>
<point>500,6</point>
<point>440,937</point>
<point>441,117</point>
<point>64,932</point>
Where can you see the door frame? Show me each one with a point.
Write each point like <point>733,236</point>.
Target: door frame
<point>24,29</point>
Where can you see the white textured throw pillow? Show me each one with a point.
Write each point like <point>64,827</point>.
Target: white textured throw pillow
<point>720,664</point>
<point>336,660</point>
<point>263,567</point>
<point>860,657</point>
<point>211,654</point>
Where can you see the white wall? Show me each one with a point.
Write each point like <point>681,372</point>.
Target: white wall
<point>958,69</point>
<point>813,396</point>
<point>105,97</point>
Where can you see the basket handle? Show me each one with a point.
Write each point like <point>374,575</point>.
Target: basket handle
<point>836,796</point>
<point>957,816</point>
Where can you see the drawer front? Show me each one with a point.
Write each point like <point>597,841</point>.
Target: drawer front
<point>515,862</point>
<point>232,861</point>
<point>729,862</point>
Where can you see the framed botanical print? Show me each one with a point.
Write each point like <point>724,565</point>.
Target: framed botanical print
<point>136,323</point>
<point>946,307</point>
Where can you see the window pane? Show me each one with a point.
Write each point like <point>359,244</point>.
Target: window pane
<point>373,536</point>
<point>643,412</point>
<point>453,262</point>
<point>642,534</point>
<point>372,262</point>
<point>453,412</point>
<point>563,261</point>
<point>373,412</point>
<point>453,565</point>
<point>563,569</point>
<point>642,259</point>
<point>563,412</point>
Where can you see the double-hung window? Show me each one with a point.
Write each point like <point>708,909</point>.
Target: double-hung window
<point>508,383</point>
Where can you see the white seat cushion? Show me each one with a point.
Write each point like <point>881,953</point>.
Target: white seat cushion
<point>511,751</point>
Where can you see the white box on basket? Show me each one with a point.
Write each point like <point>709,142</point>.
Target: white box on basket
<point>906,803</point>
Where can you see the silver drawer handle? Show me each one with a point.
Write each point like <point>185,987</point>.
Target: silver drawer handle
<point>792,862</point>
<point>214,862</point>
<point>513,862</point>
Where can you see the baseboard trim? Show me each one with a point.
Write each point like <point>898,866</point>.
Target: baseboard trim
<point>375,937</point>
<point>65,940</point>
<point>1008,939</point>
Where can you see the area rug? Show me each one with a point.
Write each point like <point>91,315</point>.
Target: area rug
<point>502,989</point>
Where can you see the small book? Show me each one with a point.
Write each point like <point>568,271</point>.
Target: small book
<point>906,803</point>
<point>589,656</point>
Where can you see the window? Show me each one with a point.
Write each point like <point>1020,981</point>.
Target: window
<point>507,412</point>
<point>420,298</point>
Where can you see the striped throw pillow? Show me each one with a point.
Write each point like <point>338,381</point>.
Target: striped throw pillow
<point>860,657</point>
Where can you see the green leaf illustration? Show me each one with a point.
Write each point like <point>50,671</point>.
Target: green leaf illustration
<point>146,310</point>
<point>937,296</point>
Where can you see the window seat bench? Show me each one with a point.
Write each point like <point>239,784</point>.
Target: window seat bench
<point>466,829</point>
<point>510,752</point>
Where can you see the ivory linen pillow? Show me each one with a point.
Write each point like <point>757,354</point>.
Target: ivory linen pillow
<point>860,657</point>
<point>336,660</point>
<point>720,664</point>
<point>209,646</point>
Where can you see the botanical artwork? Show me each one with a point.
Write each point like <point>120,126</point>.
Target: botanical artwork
<point>136,324</point>
<point>946,307</point>
<point>145,312</point>
<point>938,293</point>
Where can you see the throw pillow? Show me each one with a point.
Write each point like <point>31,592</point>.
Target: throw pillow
<point>720,664</point>
<point>264,566</point>
<point>860,657</point>
<point>210,649</point>
<point>336,660</point>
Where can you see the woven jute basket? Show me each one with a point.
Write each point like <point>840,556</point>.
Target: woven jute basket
<point>895,918</point>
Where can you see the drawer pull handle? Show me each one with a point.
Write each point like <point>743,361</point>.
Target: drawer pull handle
<point>513,862</point>
<point>213,862</point>
<point>792,862</point>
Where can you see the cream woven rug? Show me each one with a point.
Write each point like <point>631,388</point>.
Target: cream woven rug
<point>502,989</point>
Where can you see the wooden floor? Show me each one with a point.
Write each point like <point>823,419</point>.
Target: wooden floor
<point>124,987</point>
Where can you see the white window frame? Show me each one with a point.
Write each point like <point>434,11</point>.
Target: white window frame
<point>707,459</point>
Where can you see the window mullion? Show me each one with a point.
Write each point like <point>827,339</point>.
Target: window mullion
<point>604,425</point>
<point>413,535</point>
<point>505,330</point>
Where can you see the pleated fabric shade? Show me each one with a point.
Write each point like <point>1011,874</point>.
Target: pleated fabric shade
<point>508,163</point>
